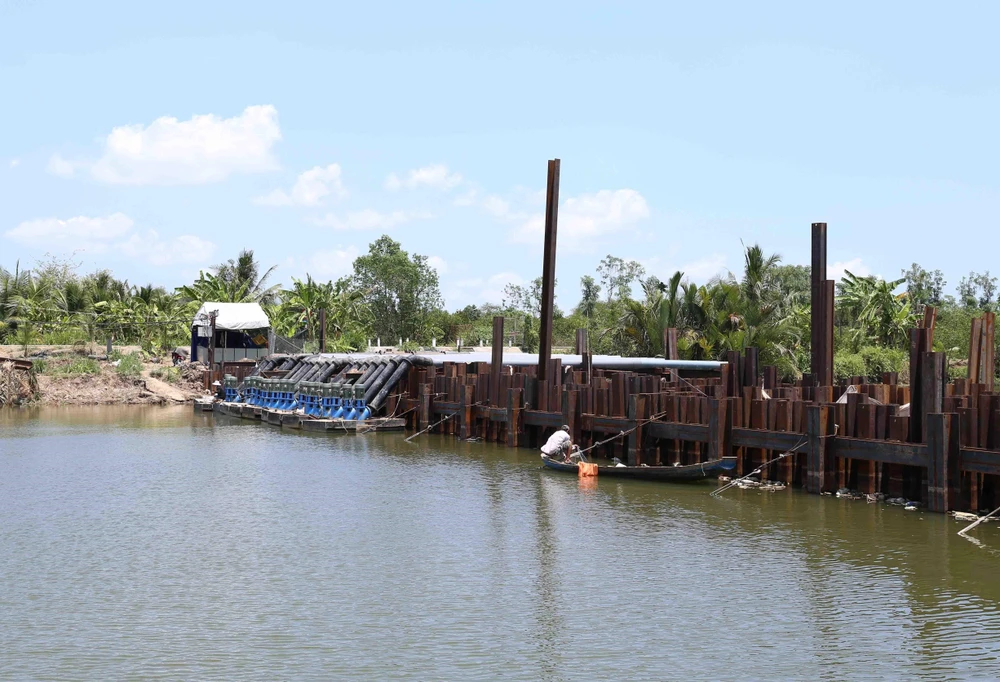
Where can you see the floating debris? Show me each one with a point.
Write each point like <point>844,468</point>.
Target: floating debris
<point>848,494</point>
<point>965,516</point>
<point>772,486</point>
<point>725,479</point>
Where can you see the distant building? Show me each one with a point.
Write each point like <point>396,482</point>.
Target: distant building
<point>241,332</point>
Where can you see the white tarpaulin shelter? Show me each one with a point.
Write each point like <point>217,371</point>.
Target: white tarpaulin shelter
<point>231,316</point>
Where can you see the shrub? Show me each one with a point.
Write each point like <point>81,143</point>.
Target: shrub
<point>78,367</point>
<point>129,365</point>
<point>878,360</point>
<point>847,365</point>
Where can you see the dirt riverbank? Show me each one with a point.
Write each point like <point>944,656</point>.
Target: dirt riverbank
<point>74,376</point>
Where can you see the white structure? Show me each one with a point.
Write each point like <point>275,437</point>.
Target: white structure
<point>239,328</point>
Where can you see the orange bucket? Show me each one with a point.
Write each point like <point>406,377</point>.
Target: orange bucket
<point>587,470</point>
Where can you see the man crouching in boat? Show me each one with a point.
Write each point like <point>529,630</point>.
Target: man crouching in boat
<point>559,446</point>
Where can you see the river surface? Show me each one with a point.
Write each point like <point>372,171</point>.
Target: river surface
<point>153,543</point>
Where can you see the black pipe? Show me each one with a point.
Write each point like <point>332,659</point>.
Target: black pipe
<point>367,375</point>
<point>373,387</point>
<point>401,370</point>
<point>329,371</point>
<point>339,376</point>
<point>300,371</point>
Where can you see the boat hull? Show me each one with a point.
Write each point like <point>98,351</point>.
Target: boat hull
<point>688,472</point>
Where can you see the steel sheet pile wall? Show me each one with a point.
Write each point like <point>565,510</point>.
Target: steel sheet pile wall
<point>854,435</point>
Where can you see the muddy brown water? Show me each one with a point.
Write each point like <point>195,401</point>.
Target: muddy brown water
<point>154,543</point>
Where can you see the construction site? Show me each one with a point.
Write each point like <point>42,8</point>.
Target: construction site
<point>919,437</point>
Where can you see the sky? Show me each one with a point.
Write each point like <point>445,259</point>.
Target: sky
<point>158,139</point>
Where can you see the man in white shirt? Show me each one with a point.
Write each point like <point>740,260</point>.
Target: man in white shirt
<point>559,445</point>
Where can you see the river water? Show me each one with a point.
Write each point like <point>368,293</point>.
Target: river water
<point>153,543</point>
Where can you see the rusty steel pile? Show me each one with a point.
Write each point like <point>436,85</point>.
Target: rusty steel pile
<point>931,440</point>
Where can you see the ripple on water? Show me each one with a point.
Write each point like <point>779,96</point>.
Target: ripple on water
<point>156,545</point>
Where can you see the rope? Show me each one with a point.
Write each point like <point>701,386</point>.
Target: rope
<point>639,422</point>
<point>718,491</point>
<point>978,521</point>
<point>455,414</point>
<point>675,373</point>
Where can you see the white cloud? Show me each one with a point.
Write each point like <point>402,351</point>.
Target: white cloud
<point>704,269</point>
<point>310,189</point>
<point>479,290</point>
<point>325,265</point>
<point>14,163</point>
<point>837,270</point>
<point>184,249</point>
<point>587,217</point>
<point>111,233</point>
<point>435,175</point>
<point>61,167</point>
<point>439,264</point>
<point>467,199</point>
<point>203,149</point>
<point>369,219</point>
<point>496,206</point>
<point>78,232</point>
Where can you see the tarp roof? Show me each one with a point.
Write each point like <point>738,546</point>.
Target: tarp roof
<point>232,316</point>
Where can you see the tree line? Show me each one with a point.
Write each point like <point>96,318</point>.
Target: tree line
<point>394,295</point>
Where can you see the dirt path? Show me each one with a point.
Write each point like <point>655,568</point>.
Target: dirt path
<point>164,390</point>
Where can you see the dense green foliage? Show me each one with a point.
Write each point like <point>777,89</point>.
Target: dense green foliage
<point>394,295</point>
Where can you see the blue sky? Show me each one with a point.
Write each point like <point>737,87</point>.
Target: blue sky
<point>158,139</point>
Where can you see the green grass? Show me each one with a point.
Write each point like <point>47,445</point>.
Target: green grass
<point>130,365</point>
<point>169,374</point>
<point>77,367</point>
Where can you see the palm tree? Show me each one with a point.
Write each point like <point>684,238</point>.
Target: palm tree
<point>301,304</point>
<point>640,326</point>
<point>244,272</point>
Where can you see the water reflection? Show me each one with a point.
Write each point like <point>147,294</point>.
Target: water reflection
<point>153,542</point>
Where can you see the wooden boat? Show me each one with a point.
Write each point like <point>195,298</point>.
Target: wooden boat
<point>687,472</point>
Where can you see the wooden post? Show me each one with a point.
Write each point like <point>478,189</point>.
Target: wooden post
<point>466,398</point>
<point>583,350</point>
<point>496,361</point>
<point>918,340</point>
<point>426,391</point>
<point>829,296</point>
<point>989,350</point>
<point>720,430</point>
<point>943,450</point>
<point>750,372</point>
<point>570,409</point>
<point>933,379</point>
<point>515,399</point>
<point>819,332</point>
<point>211,348</point>
<point>975,339</point>
<point>322,330</point>
<point>636,412</point>
<point>818,471</point>
<point>670,344</point>
<point>548,270</point>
